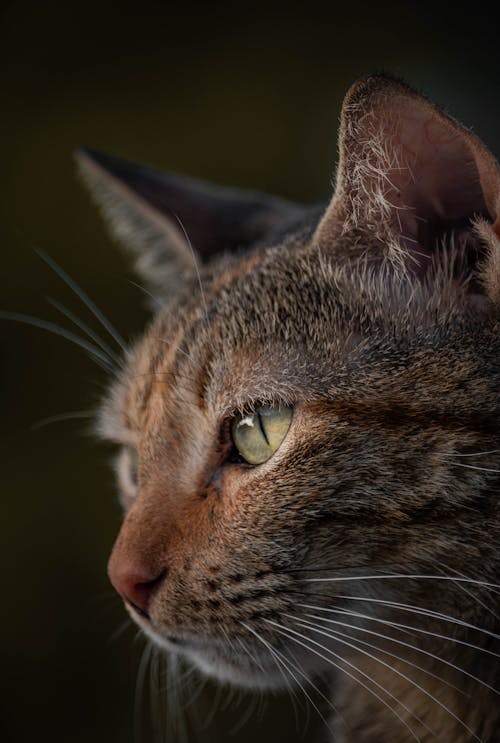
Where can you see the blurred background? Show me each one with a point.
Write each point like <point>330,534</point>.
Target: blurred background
<point>238,95</point>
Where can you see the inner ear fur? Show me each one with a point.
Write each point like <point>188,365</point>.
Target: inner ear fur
<point>410,180</point>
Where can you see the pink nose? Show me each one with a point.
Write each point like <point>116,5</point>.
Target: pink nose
<point>135,588</point>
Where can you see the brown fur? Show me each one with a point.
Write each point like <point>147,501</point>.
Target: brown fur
<point>386,342</point>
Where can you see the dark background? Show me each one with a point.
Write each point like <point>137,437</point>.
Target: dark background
<point>238,95</point>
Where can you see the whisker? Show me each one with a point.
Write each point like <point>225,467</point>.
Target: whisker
<point>175,710</point>
<point>422,611</point>
<point>72,415</point>
<point>473,467</point>
<point>466,591</point>
<point>86,329</point>
<point>397,641</point>
<point>195,263</point>
<point>368,617</point>
<point>393,655</point>
<point>121,629</point>
<point>213,708</point>
<point>310,595</point>
<point>189,702</point>
<point>229,698</point>
<point>184,677</point>
<point>343,670</point>
<point>139,689</point>
<point>314,686</point>
<point>247,651</point>
<point>391,638</point>
<point>155,710</point>
<point>147,292</point>
<point>97,356</point>
<point>83,296</point>
<point>315,568</point>
<point>399,576</point>
<point>321,630</point>
<point>295,663</point>
<point>294,697</point>
<point>469,454</point>
<point>251,707</point>
<point>280,661</point>
<point>334,635</point>
<point>169,344</point>
<point>291,692</point>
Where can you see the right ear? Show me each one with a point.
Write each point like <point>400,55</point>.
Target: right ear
<point>416,188</point>
<point>171,222</point>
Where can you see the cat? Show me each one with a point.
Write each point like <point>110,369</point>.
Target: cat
<point>309,428</point>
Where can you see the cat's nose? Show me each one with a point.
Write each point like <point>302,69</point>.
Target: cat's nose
<point>135,586</point>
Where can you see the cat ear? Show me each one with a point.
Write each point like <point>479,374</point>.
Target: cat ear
<point>410,179</point>
<point>170,222</point>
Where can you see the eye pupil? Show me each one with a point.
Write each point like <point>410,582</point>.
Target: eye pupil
<point>257,435</point>
<point>262,428</point>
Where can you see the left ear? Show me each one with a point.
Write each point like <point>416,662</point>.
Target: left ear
<point>170,221</point>
<point>409,179</point>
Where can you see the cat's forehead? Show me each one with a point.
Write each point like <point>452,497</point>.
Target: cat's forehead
<point>250,309</point>
<point>261,328</point>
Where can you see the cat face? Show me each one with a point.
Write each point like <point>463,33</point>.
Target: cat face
<point>295,410</point>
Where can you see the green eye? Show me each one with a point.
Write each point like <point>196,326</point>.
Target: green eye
<point>258,435</point>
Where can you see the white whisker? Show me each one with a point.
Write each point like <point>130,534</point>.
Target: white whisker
<point>393,655</point>
<point>284,665</point>
<point>335,635</point>
<point>469,454</point>
<point>139,689</point>
<point>421,611</point>
<point>399,576</point>
<point>290,634</point>
<point>322,631</point>
<point>287,663</point>
<point>147,292</point>
<point>195,263</point>
<point>59,417</point>
<point>403,643</point>
<point>473,467</point>
<point>466,591</point>
<point>368,617</point>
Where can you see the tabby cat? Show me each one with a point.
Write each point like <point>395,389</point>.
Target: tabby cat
<point>309,428</point>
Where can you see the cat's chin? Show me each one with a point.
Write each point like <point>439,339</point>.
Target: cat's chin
<point>236,670</point>
<point>218,661</point>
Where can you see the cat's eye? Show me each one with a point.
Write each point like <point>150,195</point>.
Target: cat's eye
<point>257,435</point>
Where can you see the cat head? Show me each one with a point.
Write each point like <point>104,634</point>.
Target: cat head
<point>300,406</point>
